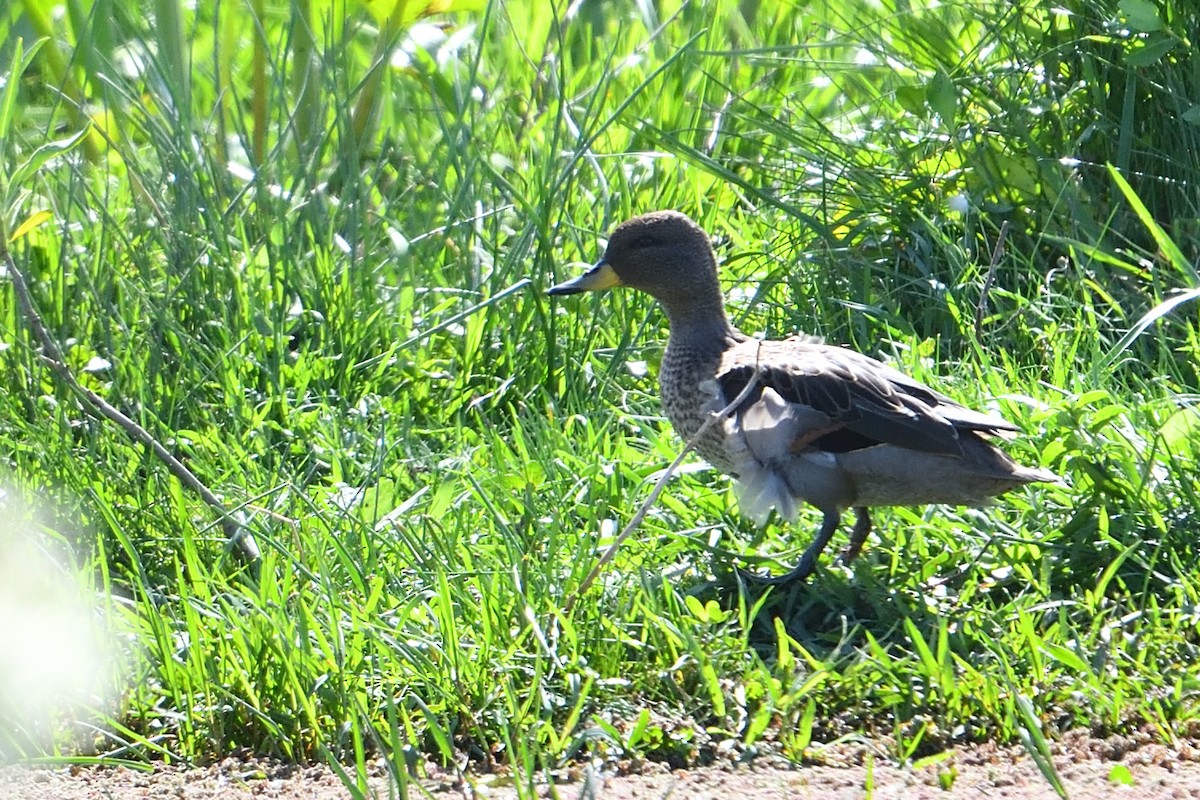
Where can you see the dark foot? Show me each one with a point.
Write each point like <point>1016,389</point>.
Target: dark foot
<point>798,574</point>
<point>808,561</point>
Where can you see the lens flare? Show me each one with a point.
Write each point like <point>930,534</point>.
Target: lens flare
<point>55,663</point>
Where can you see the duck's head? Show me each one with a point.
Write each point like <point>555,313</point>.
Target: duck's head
<point>662,253</point>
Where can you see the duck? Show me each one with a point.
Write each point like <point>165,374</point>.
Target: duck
<point>814,424</point>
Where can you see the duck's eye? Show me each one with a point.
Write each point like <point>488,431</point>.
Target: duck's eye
<point>644,241</point>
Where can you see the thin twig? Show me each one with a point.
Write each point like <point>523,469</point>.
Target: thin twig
<point>649,502</point>
<point>236,535</point>
<point>997,254</point>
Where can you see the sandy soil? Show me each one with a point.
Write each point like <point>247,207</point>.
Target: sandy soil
<point>1090,769</point>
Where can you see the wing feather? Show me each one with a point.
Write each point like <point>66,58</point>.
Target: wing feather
<point>874,403</point>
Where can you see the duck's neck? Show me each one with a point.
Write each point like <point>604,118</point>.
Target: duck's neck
<point>702,325</point>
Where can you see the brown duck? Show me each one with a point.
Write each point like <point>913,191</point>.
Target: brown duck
<point>821,424</point>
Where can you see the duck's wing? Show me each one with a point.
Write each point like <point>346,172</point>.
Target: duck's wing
<point>861,401</point>
<point>962,417</point>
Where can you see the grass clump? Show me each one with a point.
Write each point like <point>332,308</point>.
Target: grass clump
<point>308,257</point>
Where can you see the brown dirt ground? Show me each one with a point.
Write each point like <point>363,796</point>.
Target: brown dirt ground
<point>1085,764</point>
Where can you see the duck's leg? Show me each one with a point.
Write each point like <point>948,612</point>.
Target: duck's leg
<point>808,561</point>
<point>858,536</point>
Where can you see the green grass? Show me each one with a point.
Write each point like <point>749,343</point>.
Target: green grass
<point>324,293</point>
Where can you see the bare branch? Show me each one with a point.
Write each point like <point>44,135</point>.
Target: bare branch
<point>997,254</point>
<point>236,535</point>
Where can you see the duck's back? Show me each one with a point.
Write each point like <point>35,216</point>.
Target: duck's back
<point>839,429</point>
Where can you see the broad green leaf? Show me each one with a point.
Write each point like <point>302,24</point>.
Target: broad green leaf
<point>1142,15</point>
<point>1066,657</point>
<point>933,760</point>
<point>923,650</point>
<point>1181,430</point>
<point>640,726</point>
<point>12,82</point>
<point>1034,739</point>
<point>28,168</point>
<point>31,222</point>
<point>942,96</point>
<point>716,695</point>
<point>784,655</point>
<point>1120,774</point>
<point>804,730</point>
<point>1168,247</point>
<point>1151,51</point>
<point>912,99</point>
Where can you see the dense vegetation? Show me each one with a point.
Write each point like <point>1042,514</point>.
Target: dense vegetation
<point>305,246</point>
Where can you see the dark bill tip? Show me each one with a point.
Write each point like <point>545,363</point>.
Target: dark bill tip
<point>601,276</point>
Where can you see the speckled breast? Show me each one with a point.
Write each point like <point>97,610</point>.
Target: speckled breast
<point>687,405</point>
